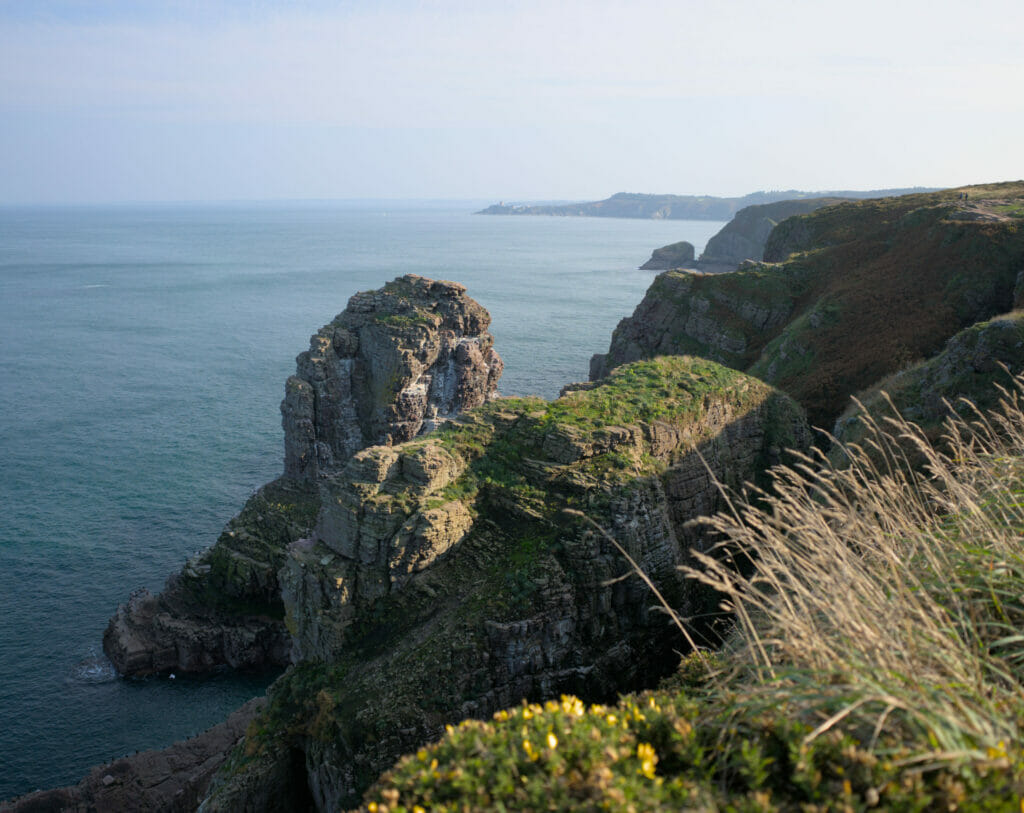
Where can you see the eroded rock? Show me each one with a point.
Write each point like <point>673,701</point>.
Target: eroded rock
<point>394,363</point>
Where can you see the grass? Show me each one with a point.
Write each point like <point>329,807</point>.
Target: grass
<point>877,659</point>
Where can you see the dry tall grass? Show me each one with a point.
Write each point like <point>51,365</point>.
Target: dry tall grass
<point>889,600</point>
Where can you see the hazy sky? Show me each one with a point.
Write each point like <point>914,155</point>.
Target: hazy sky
<point>201,100</point>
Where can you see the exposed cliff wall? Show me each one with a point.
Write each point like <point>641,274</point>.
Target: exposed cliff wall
<point>444,580</point>
<point>848,294</point>
<point>394,363</point>
<point>744,237</point>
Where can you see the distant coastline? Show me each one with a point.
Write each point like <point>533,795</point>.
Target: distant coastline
<point>680,207</point>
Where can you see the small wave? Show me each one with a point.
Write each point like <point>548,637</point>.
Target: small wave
<point>94,668</point>
<point>97,285</point>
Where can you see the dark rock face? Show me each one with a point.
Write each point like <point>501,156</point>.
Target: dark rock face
<point>674,255</point>
<point>394,363</point>
<point>172,780</point>
<point>744,237</point>
<point>443,579</point>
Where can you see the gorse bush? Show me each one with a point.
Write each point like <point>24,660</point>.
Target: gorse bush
<point>877,659</point>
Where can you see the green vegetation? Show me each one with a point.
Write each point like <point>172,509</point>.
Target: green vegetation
<point>238,575</point>
<point>897,277</point>
<point>876,662</point>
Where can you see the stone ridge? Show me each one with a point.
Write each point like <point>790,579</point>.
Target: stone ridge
<point>444,580</point>
<point>393,364</point>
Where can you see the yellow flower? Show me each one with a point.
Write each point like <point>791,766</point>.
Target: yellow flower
<point>552,740</point>
<point>998,752</point>
<point>648,759</point>
<point>418,809</point>
<point>551,705</point>
<point>421,755</point>
<point>612,719</point>
<point>527,713</point>
<point>501,715</point>
<point>372,807</point>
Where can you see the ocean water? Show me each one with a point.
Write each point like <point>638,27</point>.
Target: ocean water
<point>143,353</point>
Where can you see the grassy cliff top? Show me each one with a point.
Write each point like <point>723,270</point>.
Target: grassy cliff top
<point>849,684</point>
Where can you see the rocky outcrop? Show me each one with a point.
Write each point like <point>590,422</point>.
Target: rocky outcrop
<point>396,362</point>
<point>224,606</point>
<point>171,780</point>
<point>846,296</point>
<point>744,237</point>
<point>445,578</point>
<point>674,255</point>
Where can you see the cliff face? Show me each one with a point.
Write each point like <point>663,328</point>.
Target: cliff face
<point>444,579</point>
<point>847,295</point>
<point>394,363</point>
<point>744,237</point>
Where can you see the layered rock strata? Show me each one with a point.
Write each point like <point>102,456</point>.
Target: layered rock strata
<point>445,578</point>
<point>396,362</point>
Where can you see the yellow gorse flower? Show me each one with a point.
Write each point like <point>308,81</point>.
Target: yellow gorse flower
<point>648,759</point>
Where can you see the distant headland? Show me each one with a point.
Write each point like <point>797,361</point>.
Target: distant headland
<point>680,207</point>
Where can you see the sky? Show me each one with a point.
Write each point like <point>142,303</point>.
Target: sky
<point>519,100</point>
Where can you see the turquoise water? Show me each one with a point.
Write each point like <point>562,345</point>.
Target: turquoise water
<point>143,353</point>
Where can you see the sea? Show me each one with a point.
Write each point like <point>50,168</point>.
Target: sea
<point>143,354</point>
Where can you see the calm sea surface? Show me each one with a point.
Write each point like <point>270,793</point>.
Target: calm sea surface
<point>143,353</point>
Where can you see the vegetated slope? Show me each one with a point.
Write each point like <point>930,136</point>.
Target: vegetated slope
<point>675,207</point>
<point>971,373</point>
<point>850,684</point>
<point>445,580</point>
<point>847,294</point>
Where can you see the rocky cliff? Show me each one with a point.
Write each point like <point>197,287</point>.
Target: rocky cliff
<point>744,237</point>
<point>674,255</point>
<point>395,362</point>
<point>846,295</point>
<point>444,578</point>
